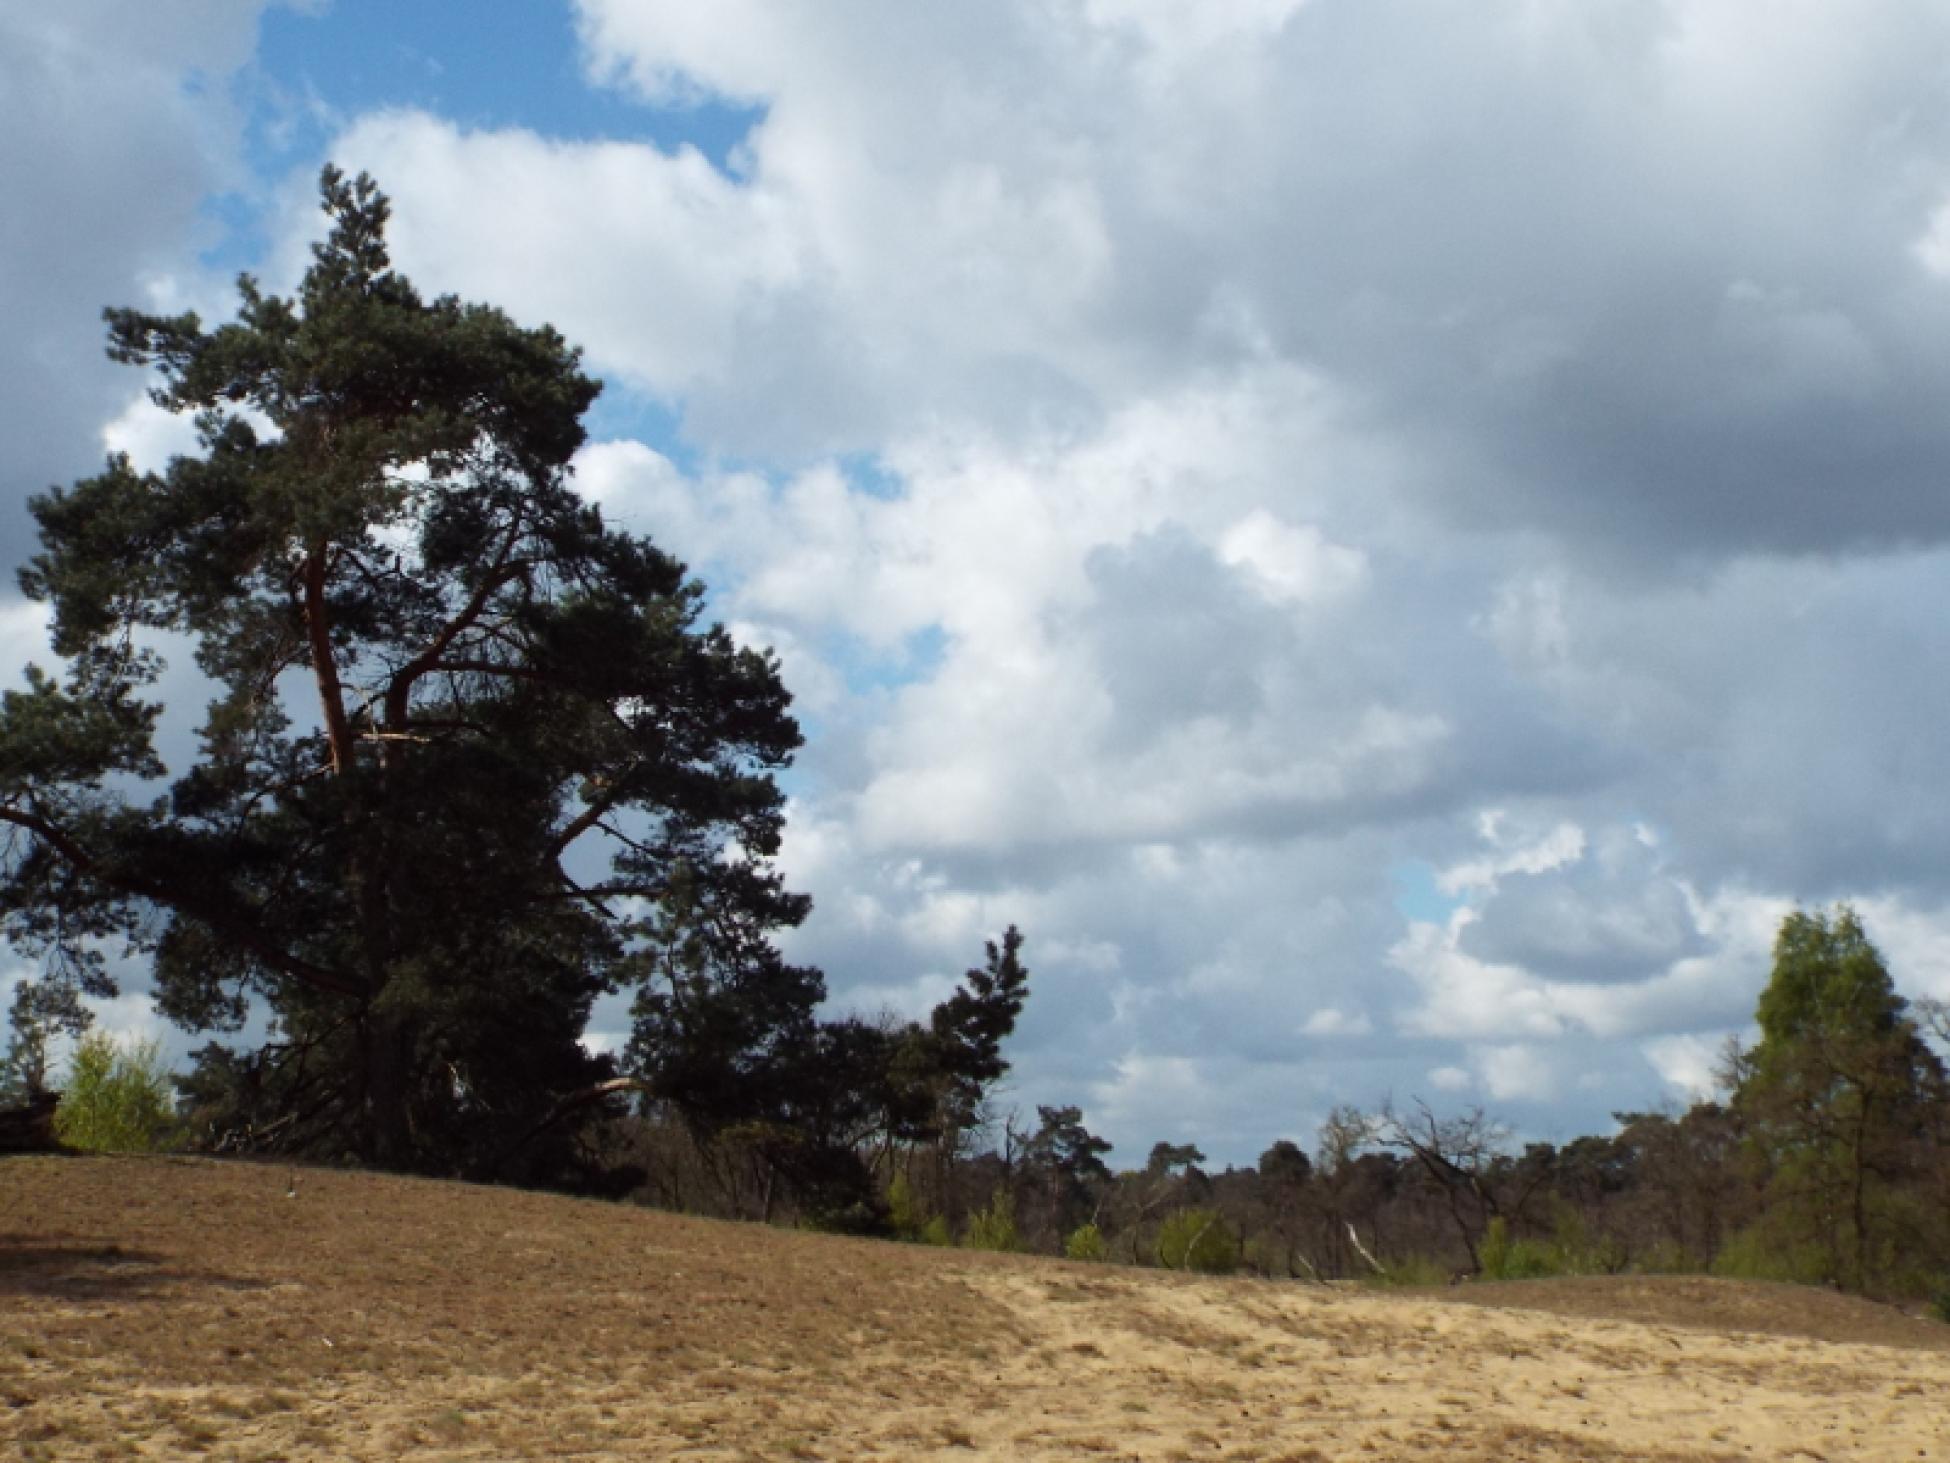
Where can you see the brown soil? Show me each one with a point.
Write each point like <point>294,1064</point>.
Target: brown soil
<point>170,1308</point>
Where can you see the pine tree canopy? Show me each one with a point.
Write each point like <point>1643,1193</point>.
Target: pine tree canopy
<point>472,759</point>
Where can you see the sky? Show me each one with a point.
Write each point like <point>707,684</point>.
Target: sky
<point>1394,538</point>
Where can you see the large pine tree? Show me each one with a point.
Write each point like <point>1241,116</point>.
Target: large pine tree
<point>472,759</point>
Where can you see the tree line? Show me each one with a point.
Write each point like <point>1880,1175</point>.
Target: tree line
<point>1824,1158</point>
<point>473,760</point>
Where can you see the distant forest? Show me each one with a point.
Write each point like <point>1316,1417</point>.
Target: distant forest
<point>1826,1161</point>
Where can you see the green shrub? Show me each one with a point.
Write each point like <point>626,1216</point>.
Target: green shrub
<point>1086,1243</point>
<point>117,1098</point>
<point>1415,1270</point>
<point>994,1228</point>
<point>1198,1239</point>
<point>1570,1251</point>
<point>1768,1252</point>
<point>1493,1250</point>
<point>936,1232</point>
<point>1504,1258</point>
<point>905,1211</point>
<point>1940,1302</point>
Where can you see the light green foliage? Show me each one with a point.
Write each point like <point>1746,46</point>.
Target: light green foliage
<point>1764,1251</point>
<point>1582,1252</point>
<point>1086,1242</point>
<point>1828,980</point>
<point>1783,1244</point>
<point>1504,1258</point>
<point>910,1217</point>
<point>1198,1239</point>
<point>905,1211</point>
<point>1837,1099</point>
<point>1415,1270</point>
<point>1571,1250</point>
<point>994,1228</point>
<point>117,1098</point>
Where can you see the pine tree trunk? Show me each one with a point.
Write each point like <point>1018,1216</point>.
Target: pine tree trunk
<point>388,1124</point>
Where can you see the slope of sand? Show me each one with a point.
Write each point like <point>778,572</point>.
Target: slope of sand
<point>188,1308</point>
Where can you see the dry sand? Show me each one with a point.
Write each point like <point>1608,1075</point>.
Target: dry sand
<point>171,1308</point>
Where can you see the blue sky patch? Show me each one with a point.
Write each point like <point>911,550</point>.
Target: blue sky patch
<point>481,64</point>
<point>1419,897</point>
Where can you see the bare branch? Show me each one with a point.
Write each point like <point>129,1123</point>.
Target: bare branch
<point>504,571</point>
<point>612,793</point>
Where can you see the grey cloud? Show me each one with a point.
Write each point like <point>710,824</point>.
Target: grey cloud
<point>1640,274</point>
<point>1786,713</point>
<point>108,153</point>
<point>1605,919</point>
<point>1177,636</point>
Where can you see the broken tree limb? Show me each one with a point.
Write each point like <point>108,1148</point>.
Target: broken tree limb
<point>1362,1250</point>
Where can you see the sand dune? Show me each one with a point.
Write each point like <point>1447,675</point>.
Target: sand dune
<point>179,1307</point>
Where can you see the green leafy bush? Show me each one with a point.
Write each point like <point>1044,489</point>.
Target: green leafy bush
<point>1504,1258</point>
<point>910,1217</point>
<point>1086,1243</point>
<point>1198,1239</point>
<point>1571,1250</point>
<point>1771,1251</point>
<point>905,1211</point>
<point>117,1098</point>
<point>994,1228</point>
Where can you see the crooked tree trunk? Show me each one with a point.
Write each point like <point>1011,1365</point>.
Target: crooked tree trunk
<point>385,1040</point>
<point>324,665</point>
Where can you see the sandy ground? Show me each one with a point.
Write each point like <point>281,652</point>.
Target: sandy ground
<point>171,1308</point>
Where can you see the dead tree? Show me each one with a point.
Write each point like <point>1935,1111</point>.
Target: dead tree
<point>1458,1155</point>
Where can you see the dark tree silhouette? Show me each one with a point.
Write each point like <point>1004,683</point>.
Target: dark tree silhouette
<point>472,761</point>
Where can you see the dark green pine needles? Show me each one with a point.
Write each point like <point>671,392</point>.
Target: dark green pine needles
<point>472,761</point>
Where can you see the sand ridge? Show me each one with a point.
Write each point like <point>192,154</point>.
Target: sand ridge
<point>178,1308</point>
